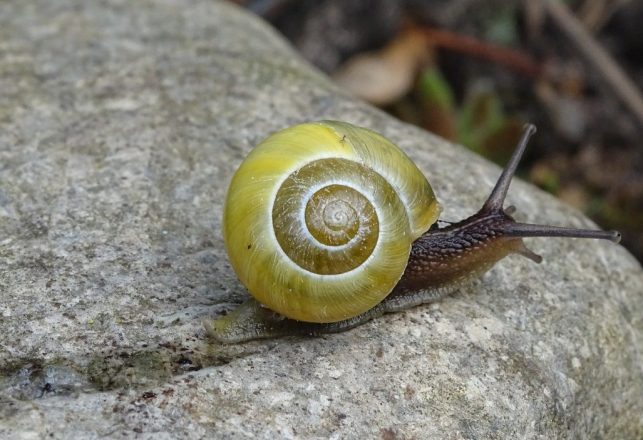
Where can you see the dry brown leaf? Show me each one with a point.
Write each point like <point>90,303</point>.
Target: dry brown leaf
<point>384,76</point>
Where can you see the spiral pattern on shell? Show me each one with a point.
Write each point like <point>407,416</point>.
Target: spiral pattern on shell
<point>319,220</point>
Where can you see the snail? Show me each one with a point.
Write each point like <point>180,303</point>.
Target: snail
<point>329,225</point>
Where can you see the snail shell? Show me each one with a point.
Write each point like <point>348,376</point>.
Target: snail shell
<point>320,217</point>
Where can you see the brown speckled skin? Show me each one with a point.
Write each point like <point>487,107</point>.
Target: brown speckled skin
<point>446,257</point>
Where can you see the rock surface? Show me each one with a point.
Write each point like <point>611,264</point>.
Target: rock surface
<point>120,125</point>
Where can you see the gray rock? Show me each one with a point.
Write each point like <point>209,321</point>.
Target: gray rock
<point>121,124</point>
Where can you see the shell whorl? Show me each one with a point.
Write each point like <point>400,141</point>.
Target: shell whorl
<point>320,217</point>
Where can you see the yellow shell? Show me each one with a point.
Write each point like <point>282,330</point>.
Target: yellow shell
<point>320,217</point>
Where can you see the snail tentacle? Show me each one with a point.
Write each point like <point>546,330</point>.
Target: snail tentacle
<point>443,257</point>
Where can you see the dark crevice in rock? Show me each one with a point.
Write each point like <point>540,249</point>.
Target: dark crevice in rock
<point>30,379</point>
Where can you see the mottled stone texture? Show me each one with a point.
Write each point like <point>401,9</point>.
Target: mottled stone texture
<point>121,123</point>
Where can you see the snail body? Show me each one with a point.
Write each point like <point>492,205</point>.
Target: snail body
<point>329,225</point>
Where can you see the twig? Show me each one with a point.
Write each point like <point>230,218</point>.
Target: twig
<point>511,58</point>
<point>595,54</point>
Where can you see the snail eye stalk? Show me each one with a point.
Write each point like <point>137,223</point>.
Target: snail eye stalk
<point>496,200</point>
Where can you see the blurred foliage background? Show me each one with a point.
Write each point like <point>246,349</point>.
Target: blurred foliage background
<point>474,72</point>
